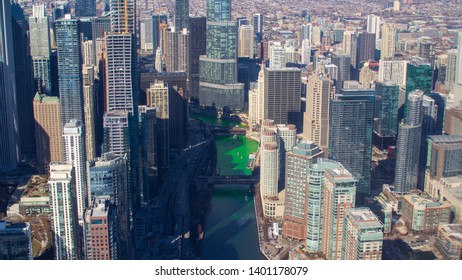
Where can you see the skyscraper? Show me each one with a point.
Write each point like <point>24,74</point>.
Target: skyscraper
<point>48,135</point>
<point>408,145</point>
<point>197,47</point>
<point>258,26</point>
<point>316,116</point>
<point>365,49</point>
<point>15,241</point>
<point>459,58</point>
<point>39,31</point>
<point>9,146</point>
<point>315,201</point>
<point>363,235</point>
<point>149,154</point>
<point>282,95</point>
<point>386,113</point>
<point>351,123</point>
<point>100,26</point>
<point>63,209</point>
<point>218,69</point>
<point>146,34</point>
<point>387,49</point>
<point>117,133</point>
<point>70,69</point>
<point>298,161</point>
<point>177,53</point>
<point>120,65</point>
<point>305,57</point>
<point>246,43</point>
<point>181,14</point>
<point>305,32</point>
<point>123,16</point>
<point>89,109</point>
<point>24,83</point>
<point>157,21</point>
<point>74,151</point>
<point>339,196</point>
<point>419,76</point>
<point>85,8</point>
<point>343,63</point>
<point>373,25</point>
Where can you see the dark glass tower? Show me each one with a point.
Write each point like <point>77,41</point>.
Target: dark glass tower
<point>218,69</point>
<point>69,69</point>
<point>85,8</point>
<point>181,14</point>
<point>351,122</point>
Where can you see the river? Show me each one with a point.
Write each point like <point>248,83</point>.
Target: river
<point>231,229</point>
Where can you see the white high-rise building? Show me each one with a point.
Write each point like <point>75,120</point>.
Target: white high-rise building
<point>305,32</point>
<point>306,52</point>
<point>316,35</point>
<point>459,58</point>
<point>63,211</point>
<point>373,25</point>
<point>388,41</point>
<point>393,70</point>
<point>74,150</point>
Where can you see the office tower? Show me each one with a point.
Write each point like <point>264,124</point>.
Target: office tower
<point>367,76</point>
<point>331,71</point>
<point>101,233</point>
<point>343,62</point>
<point>74,151</point>
<point>15,241</point>
<point>306,52</point>
<point>177,53</point>
<point>387,49</point>
<point>146,34</point>
<point>286,140</point>
<point>157,22</point>
<point>197,47</point>
<point>386,114</point>
<point>419,76</point>
<point>148,150</point>
<point>117,133</point>
<point>39,32</point>
<point>87,53</point>
<point>158,61</point>
<point>365,49</point>
<point>89,109</point>
<point>316,116</point>
<point>459,58</point>
<point>282,95</point>
<point>181,14</point>
<point>120,65</point>
<point>63,211</point>
<point>9,146</point>
<point>48,135</point>
<point>339,196</point>
<point>158,96</point>
<point>347,41</point>
<point>351,122</point>
<point>426,48</point>
<point>246,43</point>
<point>393,70</point>
<point>70,69</point>
<point>451,69</point>
<point>85,8</point>
<point>258,27</point>
<point>429,117</point>
<point>316,35</point>
<point>444,153</point>
<point>280,55</point>
<point>305,32</point>
<point>354,50</point>
<point>298,161</point>
<point>24,83</point>
<point>408,145</point>
<point>373,25</point>
<point>218,84</point>
<point>363,235</point>
<point>123,16</point>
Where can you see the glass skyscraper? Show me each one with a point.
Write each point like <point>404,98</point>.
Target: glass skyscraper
<point>408,145</point>
<point>218,69</point>
<point>181,14</point>
<point>351,122</point>
<point>70,69</point>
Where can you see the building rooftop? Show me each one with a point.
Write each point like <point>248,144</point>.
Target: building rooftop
<point>454,231</point>
<point>415,199</point>
<point>364,218</point>
<point>306,148</point>
<point>445,139</point>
